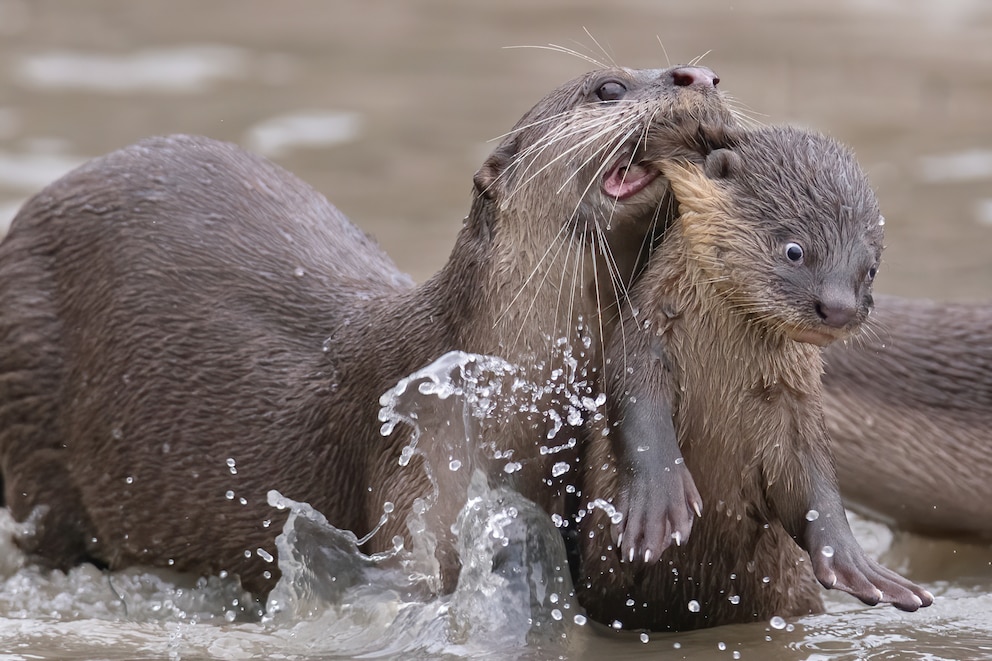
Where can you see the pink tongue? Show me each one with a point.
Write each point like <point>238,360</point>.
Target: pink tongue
<point>622,181</point>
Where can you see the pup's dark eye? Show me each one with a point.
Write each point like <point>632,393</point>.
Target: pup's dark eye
<point>611,91</point>
<point>794,252</point>
<point>872,272</point>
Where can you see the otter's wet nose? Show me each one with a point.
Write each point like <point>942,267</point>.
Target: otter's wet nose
<point>835,309</point>
<point>694,77</point>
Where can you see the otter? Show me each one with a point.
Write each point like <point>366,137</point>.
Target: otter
<point>717,397</point>
<point>185,326</point>
<point>909,408</point>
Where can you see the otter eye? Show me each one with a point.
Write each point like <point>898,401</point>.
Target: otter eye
<point>794,252</point>
<point>611,91</point>
<point>872,272</point>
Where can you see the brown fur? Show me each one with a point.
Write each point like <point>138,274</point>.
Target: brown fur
<point>712,348</point>
<point>180,303</point>
<point>909,408</point>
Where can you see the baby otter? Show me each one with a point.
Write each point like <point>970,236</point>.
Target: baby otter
<point>773,256</point>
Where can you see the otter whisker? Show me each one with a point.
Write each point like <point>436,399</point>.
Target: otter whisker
<point>593,179</point>
<point>668,60</point>
<point>561,231</point>
<point>555,48</point>
<point>609,57</point>
<point>578,146</point>
<point>530,125</point>
<point>699,58</point>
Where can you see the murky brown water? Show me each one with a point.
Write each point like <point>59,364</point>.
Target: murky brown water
<point>387,109</point>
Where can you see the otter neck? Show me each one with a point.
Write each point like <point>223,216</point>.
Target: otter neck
<point>531,286</point>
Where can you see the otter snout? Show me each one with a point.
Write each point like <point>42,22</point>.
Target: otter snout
<point>700,77</point>
<point>836,306</point>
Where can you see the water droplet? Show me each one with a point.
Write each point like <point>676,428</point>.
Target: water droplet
<point>512,467</point>
<point>117,433</point>
<point>454,464</point>
<point>559,469</point>
<point>812,515</point>
<point>766,579</point>
<point>630,603</point>
<point>777,622</point>
<point>579,619</point>
<point>693,606</point>
<point>229,616</point>
<point>229,495</point>
<point>299,272</point>
<point>736,654</point>
<point>264,555</point>
<point>266,523</point>
<point>644,637</point>
<point>735,599</point>
<point>827,551</point>
<point>677,646</point>
<point>129,479</point>
<point>388,507</point>
<point>267,574</point>
<point>243,500</point>
<point>617,624</point>
<point>247,553</point>
<point>721,646</point>
<point>556,614</point>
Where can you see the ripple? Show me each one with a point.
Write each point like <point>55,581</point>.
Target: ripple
<point>968,165</point>
<point>32,171</point>
<point>310,129</point>
<point>180,70</point>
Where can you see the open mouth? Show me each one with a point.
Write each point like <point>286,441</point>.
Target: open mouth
<point>627,178</point>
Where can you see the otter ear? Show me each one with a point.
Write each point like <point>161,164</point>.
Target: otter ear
<point>722,164</point>
<point>494,167</point>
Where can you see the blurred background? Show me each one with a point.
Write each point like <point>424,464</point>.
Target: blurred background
<point>388,108</point>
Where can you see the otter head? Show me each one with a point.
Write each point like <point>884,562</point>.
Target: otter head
<point>786,226</point>
<point>568,199</point>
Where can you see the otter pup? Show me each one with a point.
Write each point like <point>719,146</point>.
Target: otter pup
<point>909,408</point>
<point>772,256</point>
<point>185,326</point>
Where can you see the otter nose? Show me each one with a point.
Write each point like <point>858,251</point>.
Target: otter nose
<point>694,77</point>
<point>836,308</point>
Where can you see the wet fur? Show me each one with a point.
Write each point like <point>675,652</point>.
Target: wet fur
<point>711,348</point>
<point>180,303</point>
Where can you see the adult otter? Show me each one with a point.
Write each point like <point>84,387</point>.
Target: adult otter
<point>186,326</point>
<point>773,255</point>
<point>909,409</point>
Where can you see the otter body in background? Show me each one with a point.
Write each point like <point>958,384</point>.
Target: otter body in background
<point>773,254</point>
<point>909,410</point>
<point>185,326</point>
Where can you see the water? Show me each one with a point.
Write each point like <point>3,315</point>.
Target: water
<point>388,109</point>
<point>514,593</point>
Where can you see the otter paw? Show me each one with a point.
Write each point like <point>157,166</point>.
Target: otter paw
<point>658,511</point>
<point>858,575</point>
